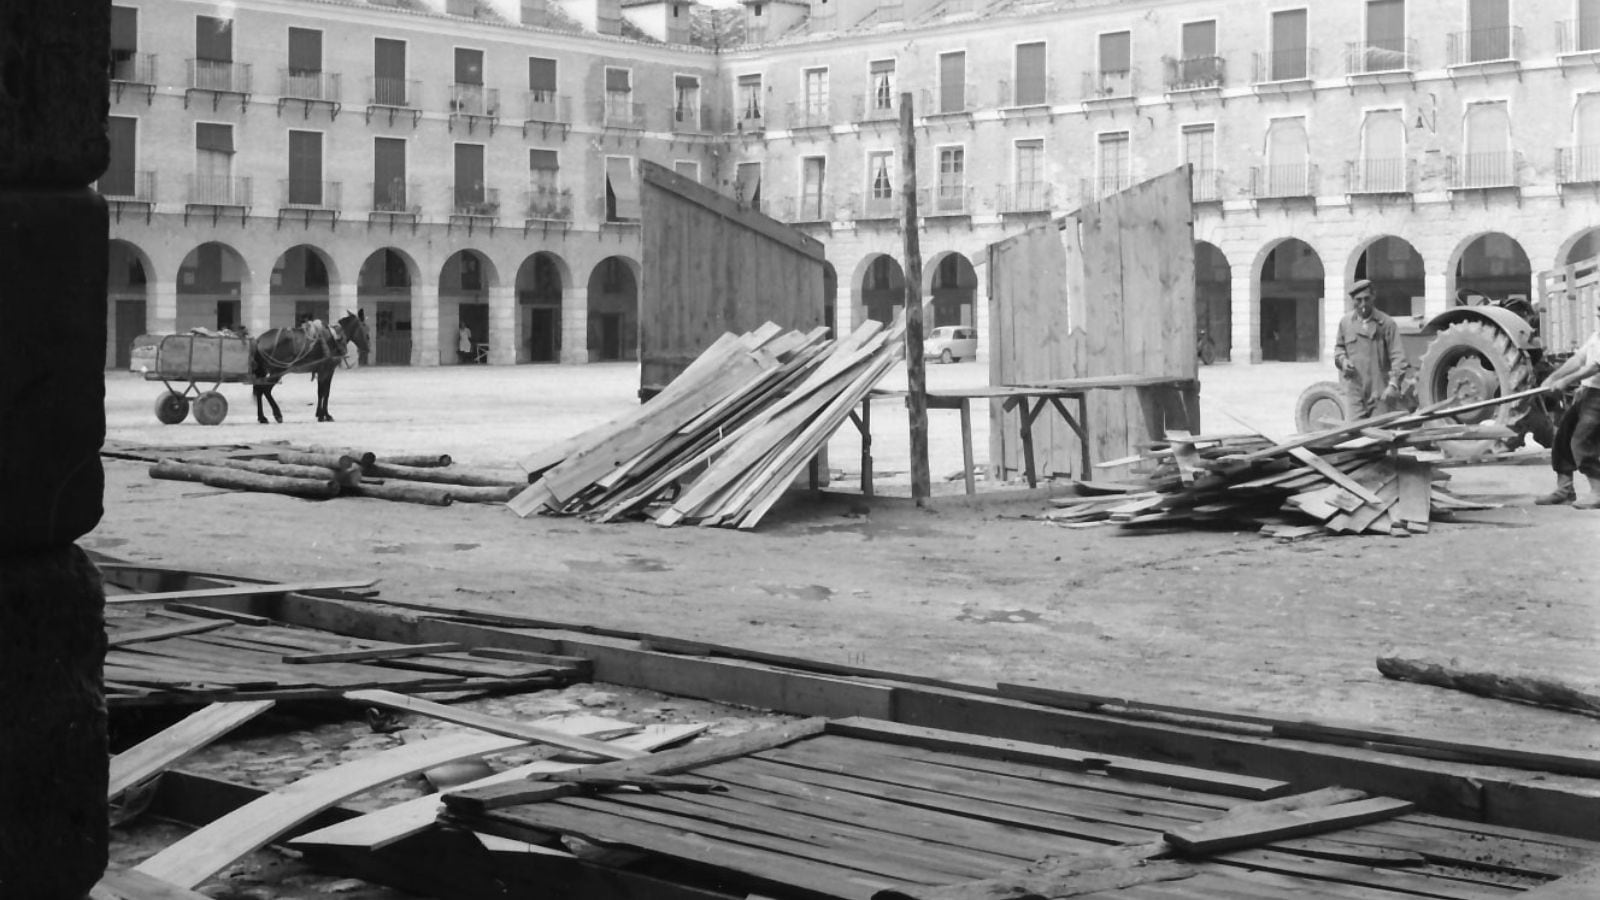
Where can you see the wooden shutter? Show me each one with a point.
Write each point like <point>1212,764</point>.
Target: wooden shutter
<point>214,137</point>
<point>123,132</point>
<point>389,58</point>
<point>305,167</point>
<point>213,39</point>
<point>1386,25</point>
<point>619,179</point>
<point>124,29</point>
<point>469,173</point>
<point>1199,39</point>
<point>389,174</point>
<point>469,66</point>
<point>1116,52</point>
<point>1030,74</point>
<point>541,74</point>
<point>619,81</point>
<point>305,51</point>
<point>953,82</point>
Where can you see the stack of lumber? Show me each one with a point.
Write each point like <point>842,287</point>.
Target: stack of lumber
<point>324,472</point>
<point>1352,479</point>
<point>725,438</point>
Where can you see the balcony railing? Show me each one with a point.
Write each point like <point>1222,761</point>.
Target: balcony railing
<point>1115,84</point>
<point>1015,95</point>
<point>689,119</point>
<point>804,114</point>
<point>1483,170</point>
<point>474,100</point>
<point>128,187</point>
<point>133,68</point>
<point>1378,176</point>
<point>395,198</point>
<point>548,204</point>
<point>1025,197</point>
<point>809,208</point>
<point>299,85</point>
<point>1283,181</point>
<point>547,108</point>
<point>1574,165</point>
<point>1378,57</point>
<point>310,193</point>
<point>219,190</point>
<point>395,93</point>
<point>945,200</point>
<point>871,206</point>
<point>1195,73</point>
<point>1205,185</point>
<point>1578,36</point>
<point>749,121</point>
<point>933,102</point>
<point>1484,45</point>
<point>476,203</point>
<point>870,107</point>
<point>619,113</point>
<point>1275,66</point>
<point>219,76</point>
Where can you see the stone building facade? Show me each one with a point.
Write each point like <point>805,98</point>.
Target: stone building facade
<point>474,162</point>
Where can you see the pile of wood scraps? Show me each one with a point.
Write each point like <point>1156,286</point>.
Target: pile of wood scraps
<point>723,441</point>
<point>1353,479</point>
<point>324,472</point>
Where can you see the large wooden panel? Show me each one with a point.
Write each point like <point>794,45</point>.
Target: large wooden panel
<point>1107,290</point>
<point>712,267</point>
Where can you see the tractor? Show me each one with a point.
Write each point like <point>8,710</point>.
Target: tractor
<point>1481,349</point>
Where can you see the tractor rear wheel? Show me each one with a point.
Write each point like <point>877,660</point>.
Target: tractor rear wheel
<point>1471,361</point>
<point>1320,407</point>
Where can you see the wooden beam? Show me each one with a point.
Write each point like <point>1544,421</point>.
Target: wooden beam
<point>155,753</point>
<point>244,590</point>
<point>1233,832</point>
<point>490,724</point>
<point>145,635</point>
<point>361,654</point>
<point>916,377</point>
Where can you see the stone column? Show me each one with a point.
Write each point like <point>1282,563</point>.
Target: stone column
<point>1335,303</point>
<point>425,325</point>
<point>256,306</point>
<point>980,312</point>
<point>1436,294</point>
<point>1246,313</point>
<point>344,298</point>
<point>574,325</point>
<point>161,307</point>
<point>53,238</point>
<point>503,334</point>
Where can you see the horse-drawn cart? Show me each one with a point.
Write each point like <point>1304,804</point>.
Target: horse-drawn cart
<point>199,359</point>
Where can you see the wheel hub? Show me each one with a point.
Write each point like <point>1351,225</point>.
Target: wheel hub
<point>1468,382</point>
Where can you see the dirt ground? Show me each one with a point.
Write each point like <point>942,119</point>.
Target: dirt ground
<point>1214,619</point>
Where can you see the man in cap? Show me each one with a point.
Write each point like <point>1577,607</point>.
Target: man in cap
<point>1368,355</point>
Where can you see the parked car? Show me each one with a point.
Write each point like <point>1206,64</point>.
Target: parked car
<point>949,343</point>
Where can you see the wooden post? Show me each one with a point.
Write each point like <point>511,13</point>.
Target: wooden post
<point>916,380</point>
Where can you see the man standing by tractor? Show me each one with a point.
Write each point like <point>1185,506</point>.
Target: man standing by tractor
<point>1577,444</point>
<point>1368,355</point>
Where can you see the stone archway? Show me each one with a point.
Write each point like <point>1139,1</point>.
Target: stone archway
<point>614,310</point>
<point>211,281</point>
<point>1397,273</point>
<point>128,271</point>
<point>383,291</point>
<point>1580,247</point>
<point>540,281</point>
<point>301,284</point>
<point>952,291</point>
<point>1213,297</point>
<point>883,287</point>
<point>1290,284</point>
<point>1492,266</point>
<point>464,283</point>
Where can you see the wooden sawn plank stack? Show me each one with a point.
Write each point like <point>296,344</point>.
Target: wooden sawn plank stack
<point>724,439</point>
<point>1352,479</point>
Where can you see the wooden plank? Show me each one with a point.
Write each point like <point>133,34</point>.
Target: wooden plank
<point>668,763</point>
<point>1121,766</point>
<point>1413,506</point>
<point>125,637</point>
<point>401,820</point>
<point>1053,878</point>
<point>244,590</point>
<point>155,753</point>
<point>1249,830</point>
<point>1583,885</point>
<point>131,884</point>
<point>490,724</point>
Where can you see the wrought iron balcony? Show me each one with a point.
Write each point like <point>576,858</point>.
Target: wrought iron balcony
<point>1484,45</point>
<point>944,200</point>
<point>310,193</point>
<point>933,102</point>
<point>1108,85</point>
<point>301,85</point>
<point>128,187</point>
<point>871,206</point>
<point>1285,66</point>
<point>1398,55</point>
<point>1205,185</point>
<point>394,96</point>
<point>809,114</point>
<point>219,76</point>
<point>1578,165</point>
<point>394,201</point>
<point>133,68</point>
<point>874,107</point>
<point>689,119</point>
<point>475,203</point>
<point>1283,181</point>
<point>1476,171</point>
<point>219,191</point>
<point>1016,95</point>
<point>1378,176</point>
<point>1194,73</point>
<point>749,121</point>
<point>474,103</point>
<point>1578,36</point>
<point>547,203</point>
<point>808,209</point>
<point>546,109</point>
<point>619,113</point>
<point>1025,197</point>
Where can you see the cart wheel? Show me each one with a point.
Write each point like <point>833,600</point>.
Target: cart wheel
<point>172,408</point>
<point>210,408</point>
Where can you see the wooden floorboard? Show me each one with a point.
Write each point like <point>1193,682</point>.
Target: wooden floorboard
<point>1398,880</point>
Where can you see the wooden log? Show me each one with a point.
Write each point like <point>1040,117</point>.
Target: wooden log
<point>362,458</point>
<point>346,476</point>
<point>217,476</point>
<point>1520,688</point>
<point>420,460</point>
<point>325,460</point>
<point>471,494</point>
<point>440,475</point>
<point>404,493</point>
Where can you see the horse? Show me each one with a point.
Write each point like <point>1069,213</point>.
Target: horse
<point>318,350</point>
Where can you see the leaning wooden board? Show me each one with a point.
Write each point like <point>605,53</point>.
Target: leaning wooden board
<point>860,807</point>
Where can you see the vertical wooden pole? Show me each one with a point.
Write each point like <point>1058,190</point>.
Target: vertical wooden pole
<point>916,380</point>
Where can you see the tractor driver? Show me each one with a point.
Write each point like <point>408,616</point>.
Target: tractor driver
<point>1368,355</point>
<point>1577,444</point>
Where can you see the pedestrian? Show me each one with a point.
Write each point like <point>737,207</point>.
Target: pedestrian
<point>1368,355</point>
<point>361,347</point>
<point>1577,444</point>
<point>464,344</point>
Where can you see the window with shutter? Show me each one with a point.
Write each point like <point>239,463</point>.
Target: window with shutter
<point>469,187</point>
<point>813,177</point>
<point>305,168</point>
<point>389,175</point>
<point>750,97</point>
<point>389,72</point>
<point>622,194</point>
<point>124,42</point>
<point>1031,80</point>
<point>1383,152</point>
<point>1289,47</point>
<point>118,180</point>
<point>542,78</point>
<point>686,101</point>
<point>952,82</point>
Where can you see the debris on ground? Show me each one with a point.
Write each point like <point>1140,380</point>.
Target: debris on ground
<point>1537,690</point>
<point>723,441</point>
